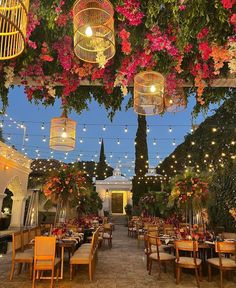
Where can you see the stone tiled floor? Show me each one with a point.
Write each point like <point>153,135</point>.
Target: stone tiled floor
<point>122,266</point>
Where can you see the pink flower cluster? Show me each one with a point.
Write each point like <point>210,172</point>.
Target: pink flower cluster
<point>33,22</point>
<point>131,11</point>
<point>65,53</point>
<point>228,4</point>
<point>126,46</point>
<point>162,41</point>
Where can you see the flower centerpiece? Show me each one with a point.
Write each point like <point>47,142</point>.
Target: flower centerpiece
<point>64,187</point>
<point>190,191</point>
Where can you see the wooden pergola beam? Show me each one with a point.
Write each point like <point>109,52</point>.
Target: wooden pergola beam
<point>221,82</point>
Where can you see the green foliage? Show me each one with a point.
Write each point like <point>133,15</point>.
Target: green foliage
<point>128,209</point>
<point>141,160</point>
<point>223,187</point>
<point>154,203</point>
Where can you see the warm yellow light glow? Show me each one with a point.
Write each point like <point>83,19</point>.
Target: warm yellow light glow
<point>89,32</point>
<point>153,89</point>
<point>64,134</point>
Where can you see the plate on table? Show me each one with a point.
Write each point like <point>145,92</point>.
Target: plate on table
<point>229,240</point>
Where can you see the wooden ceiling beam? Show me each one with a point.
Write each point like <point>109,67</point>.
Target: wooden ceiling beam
<point>221,82</point>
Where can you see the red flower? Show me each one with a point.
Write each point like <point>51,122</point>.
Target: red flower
<point>62,20</point>
<point>205,50</point>
<point>233,19</point>
<point>228,4</point>
<point>203,33</point>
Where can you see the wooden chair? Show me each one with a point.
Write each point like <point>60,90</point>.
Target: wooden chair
<point>86,255</point>
<point>187,262</point>
<point>155,255</point>
<point>223,263</point>
<point>107,234</point>
<point>44,257</point>
<point>38,231</point>
<point>139,233</point>
<point>32,233</point>
<point>18,256</point>
<point>131,229</point>
<point>25,240</point>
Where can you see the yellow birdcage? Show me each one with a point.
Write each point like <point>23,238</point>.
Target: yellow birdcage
<point>62,134</point>
<point>13,24</point>
<point>94,35</point>
<point>175,102</point>
<point>148,93</point>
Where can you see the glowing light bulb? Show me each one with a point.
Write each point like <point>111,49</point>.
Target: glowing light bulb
<point>153,88</point>
<point>64,134</point>
<point>89,31</point>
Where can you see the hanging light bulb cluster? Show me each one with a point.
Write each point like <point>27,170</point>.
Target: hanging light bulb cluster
<point>13,19</point>
<point>94,37</point>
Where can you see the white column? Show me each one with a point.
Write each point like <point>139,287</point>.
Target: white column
<point>2,196</point>
<point>18,209</point>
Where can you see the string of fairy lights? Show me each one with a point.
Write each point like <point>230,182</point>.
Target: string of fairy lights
<point>122,159</point>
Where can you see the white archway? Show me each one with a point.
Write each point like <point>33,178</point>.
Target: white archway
<point>14,172</point>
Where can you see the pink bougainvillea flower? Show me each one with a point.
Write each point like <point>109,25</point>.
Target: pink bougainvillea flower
<point>131,11</point>
<point>61,20</point>
<point>188,48</point>
<point>228,4</point>
<point>203,33</point>
<point>182,7</point>
<point>205,50</point>
<point>233,19</point>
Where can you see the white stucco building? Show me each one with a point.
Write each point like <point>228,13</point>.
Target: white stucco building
<point>14,173</point>
<point>115,191</point>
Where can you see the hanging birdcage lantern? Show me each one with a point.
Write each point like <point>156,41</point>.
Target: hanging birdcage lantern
<point>148,93</point>
<point>62,133</point>
<point>175,102</point>
<point>94,37</point>
<point>13,24</point>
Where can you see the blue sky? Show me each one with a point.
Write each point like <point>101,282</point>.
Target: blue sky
<point>160,140</point>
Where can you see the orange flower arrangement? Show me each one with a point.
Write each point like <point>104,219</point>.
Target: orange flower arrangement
<point>64,186</point>
<point>220,55</point>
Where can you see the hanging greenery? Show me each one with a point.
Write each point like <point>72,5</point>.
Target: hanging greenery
<point>186,40</point>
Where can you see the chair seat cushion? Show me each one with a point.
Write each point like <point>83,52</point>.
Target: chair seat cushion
<point>154,249</point>
<point>24,256</point>
<point>188,261</point>
<point>226,262</point>
<point>107,236</point>
<point>43,263</point>
<point>163,256</point>
<point>79,257</point>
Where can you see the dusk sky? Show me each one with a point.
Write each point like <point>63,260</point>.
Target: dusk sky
<point>160,139</point>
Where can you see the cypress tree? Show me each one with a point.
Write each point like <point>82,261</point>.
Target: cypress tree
<point>102,165</point>
<point>1,136</point>
<point>141,160</point>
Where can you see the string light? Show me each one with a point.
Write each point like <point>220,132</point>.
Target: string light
<point>154,142</point>
<point>173,143</point>
<point>214,129</point>
<point>170,129</point>
<point>26,138</point>
<point>9,137</point>
<point>44,139</point>
<point>84,128</point>
<point>148,129</point>
<point>43,126</point>
<point>104,128</point>
<point>126,129</point>
<point>118,141</point>
<point>81,140</point>
<point>1,124</point>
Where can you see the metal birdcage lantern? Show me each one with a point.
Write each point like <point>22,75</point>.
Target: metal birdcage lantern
<point>62,134</point>
<point>175,102</point>
<point>149,93</point>
<point>13,24</point>
<point>94,35</point>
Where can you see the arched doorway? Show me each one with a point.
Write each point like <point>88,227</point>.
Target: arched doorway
<point>14,172</point>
